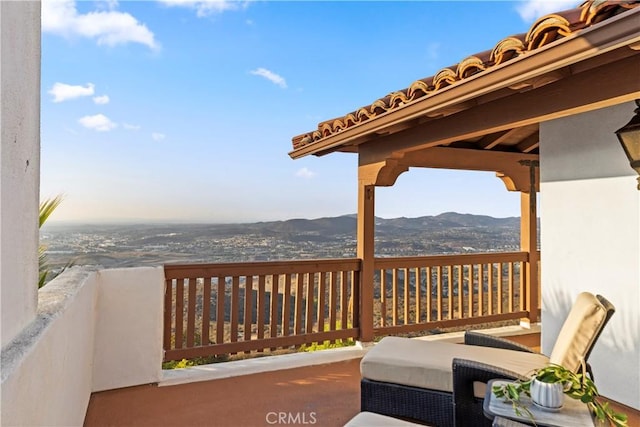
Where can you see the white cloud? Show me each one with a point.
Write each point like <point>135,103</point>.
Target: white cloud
<point>207,7</point>
<point>108,27</point>
<point>101,100</point>
<point>99,122</point>
<point>271,76</point>
<point>305,173</point>
<point>64,92</point>
<point>107,4</point>
<point>157,136</point>
<point>128,126</point>
<point>530,10</point>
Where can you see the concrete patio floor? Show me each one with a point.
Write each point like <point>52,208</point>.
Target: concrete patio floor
<point>322,395</point>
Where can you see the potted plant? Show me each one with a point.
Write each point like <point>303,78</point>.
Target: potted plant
<point>577,386</point>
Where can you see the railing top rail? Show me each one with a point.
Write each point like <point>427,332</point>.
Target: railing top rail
<point>178,271</point>
<point>461,259</point>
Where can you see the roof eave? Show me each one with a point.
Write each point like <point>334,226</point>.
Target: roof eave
<point>616,32</point>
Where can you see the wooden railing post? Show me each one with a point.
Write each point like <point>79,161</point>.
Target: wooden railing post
<point>529,243</point>
<point>365,251</point>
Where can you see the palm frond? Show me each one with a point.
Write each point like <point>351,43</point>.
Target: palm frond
<point>47,207</point>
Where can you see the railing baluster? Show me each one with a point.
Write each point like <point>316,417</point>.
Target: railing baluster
<point>383,297</point>
<point>286,305</point>
<point>418,294</point>
<point>298,326</point>
<point>470,290</point>
<point>490,288</point>
<point>480,289</point>
<point>310,302</point>
<point>355,297</point>
<point>439,291</point>
<point>179,313</point>
<point>511,296</point>
<point>321,301</point>
<point>248,308</point>
<point>220,313</point>
<point>521,276</point>
<point>344,304</point>
<point>191,312</point>
<point>500,290</point>
<point>450,291</point>
<point>429,293</point>
<point>394,286</point>
<point>333,300</point>
<point>275,295</point>
<point>460,269</point>
<point>206,311</point>
<point>235,307</point>
<point>407,297</point>
<point>261,305</point>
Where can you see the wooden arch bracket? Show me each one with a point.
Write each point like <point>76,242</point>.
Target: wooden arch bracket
<point>382,174</point>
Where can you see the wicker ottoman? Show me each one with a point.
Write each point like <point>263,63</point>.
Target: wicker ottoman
<point>412,378</point>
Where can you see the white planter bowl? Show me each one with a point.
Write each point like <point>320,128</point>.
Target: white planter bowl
<point>547,395</point>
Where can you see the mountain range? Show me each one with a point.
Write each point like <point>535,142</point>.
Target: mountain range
<point>123,245</point>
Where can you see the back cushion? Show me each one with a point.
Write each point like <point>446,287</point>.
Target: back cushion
<point>577,336</point>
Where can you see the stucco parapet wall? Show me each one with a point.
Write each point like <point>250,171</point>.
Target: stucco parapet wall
<point>53,300</point>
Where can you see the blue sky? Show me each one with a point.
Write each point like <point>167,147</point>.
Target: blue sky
<point>184,110</point>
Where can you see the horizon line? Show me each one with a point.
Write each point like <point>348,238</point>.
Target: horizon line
<point>150,221</point>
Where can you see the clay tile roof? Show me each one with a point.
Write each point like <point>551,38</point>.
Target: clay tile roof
<point>544,31</point>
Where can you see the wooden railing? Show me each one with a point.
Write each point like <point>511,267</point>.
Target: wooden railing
<point>213,309</point>
<point>216,309</point>
<point>421,293</point>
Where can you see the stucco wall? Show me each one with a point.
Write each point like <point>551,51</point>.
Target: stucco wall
<point>46,371</point>
<point>93,331</point>
<point>590,239</point>
<point>128,331</point>
<point>19,163</point>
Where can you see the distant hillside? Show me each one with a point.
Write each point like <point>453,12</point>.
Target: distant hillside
<point>347,224</point>
<point>122,245</point>
<point>331,226</point>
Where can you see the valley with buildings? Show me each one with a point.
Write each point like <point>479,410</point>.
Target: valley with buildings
<point>128,245</point>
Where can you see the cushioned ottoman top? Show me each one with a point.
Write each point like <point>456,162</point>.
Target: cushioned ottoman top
<point>369,419</point>
<point>427,364</point>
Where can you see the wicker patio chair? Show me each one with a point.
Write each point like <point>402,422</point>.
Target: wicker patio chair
<point>419,379</point>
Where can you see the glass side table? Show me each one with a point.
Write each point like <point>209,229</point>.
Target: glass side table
<point>572,414</point>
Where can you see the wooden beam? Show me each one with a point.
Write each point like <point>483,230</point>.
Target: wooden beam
<point>490,141</point>
<point>529,144</point>
<point>529,243</point>
<point>573,95</point>
<point>463,159</point>
<point>366,251</point>
<point>507,165</point>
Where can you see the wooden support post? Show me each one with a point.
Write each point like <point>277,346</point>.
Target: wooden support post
<point>365,251</point>
<point>529,244</point>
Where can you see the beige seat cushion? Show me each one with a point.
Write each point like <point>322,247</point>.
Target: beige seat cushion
<point>427,364</point>
<point>369,419</point>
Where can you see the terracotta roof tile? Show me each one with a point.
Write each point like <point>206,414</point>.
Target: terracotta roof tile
<point>545,30</point>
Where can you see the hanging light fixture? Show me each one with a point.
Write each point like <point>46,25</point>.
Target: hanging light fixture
<point>629,136</point>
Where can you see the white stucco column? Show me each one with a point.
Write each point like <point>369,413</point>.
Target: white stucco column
<point>19,163</point>
<point>590,237</point>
